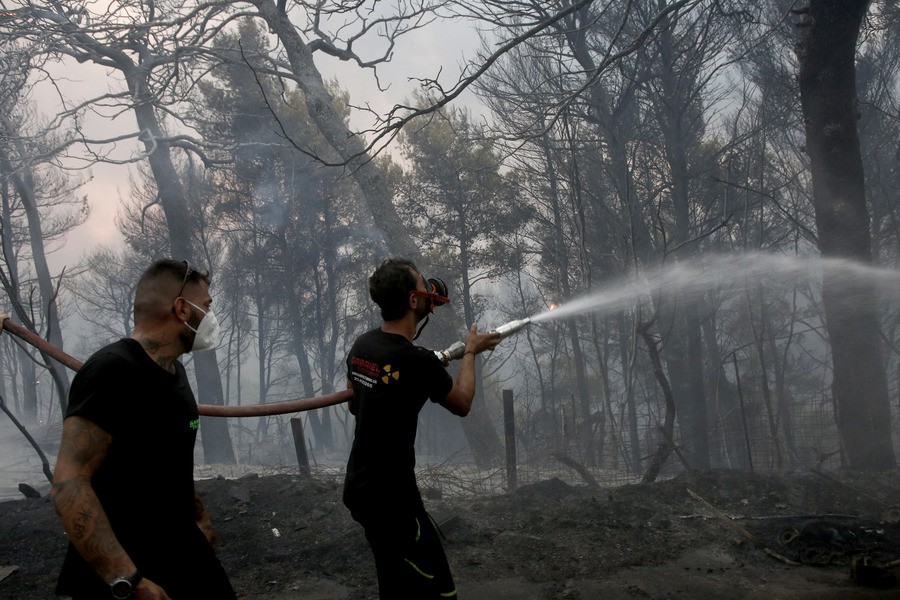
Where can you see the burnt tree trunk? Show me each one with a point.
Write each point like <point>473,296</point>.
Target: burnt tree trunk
<point>216,439</point>
<point>23,182</point>
<point>827,77</point>
<point>80,44</point>
<point>665,446</point>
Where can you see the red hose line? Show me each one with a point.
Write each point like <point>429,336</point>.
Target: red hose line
<point>208,410</point>
<point>275,408</point>
<point>40,343</point>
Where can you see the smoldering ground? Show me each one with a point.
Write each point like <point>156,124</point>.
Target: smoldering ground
<point>287,537</point>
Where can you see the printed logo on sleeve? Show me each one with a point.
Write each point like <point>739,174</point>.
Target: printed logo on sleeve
<point>388,374</point>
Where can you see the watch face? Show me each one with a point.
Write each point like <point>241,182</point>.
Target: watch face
<point>121,589</point>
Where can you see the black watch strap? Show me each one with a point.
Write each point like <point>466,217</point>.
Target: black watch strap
<point>122,588</point>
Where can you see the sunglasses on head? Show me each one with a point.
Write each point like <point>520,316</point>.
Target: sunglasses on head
<point>188,271</point>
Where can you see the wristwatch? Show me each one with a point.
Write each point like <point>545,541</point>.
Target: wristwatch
<point>123,587</point>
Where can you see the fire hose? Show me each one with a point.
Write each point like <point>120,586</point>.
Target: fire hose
<point>454,352</point>
<point>209,410</point>
<point>38,342</point>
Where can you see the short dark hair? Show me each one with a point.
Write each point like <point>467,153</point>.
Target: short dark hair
<point>178,271</point>
<point>161,283</point>
<point>390,285</point>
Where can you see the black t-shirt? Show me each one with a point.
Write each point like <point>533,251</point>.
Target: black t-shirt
<point>392,379</point>
<point>146,481</point>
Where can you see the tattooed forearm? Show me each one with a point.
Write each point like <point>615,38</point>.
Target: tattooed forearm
<point>82,450</point>
<point>83,518</point>
<point>81,524</point>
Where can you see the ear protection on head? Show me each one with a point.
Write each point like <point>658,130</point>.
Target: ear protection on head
<point>440,295</point>
<point>436,295</point>
<point>436,292</point>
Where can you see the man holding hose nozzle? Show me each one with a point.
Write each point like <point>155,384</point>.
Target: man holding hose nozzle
<point>391,379</point>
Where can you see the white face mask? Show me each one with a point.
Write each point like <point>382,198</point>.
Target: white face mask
<point>206,335</point>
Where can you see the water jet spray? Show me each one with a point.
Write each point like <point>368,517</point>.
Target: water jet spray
<point>689,280</point>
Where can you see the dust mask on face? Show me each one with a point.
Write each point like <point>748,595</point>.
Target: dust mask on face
<point>206,335</point>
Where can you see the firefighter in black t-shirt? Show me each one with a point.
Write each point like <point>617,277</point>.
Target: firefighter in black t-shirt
<point>391,380</point>
<point>123,484</point>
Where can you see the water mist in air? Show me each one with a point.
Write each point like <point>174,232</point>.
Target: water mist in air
<point>688,280</point>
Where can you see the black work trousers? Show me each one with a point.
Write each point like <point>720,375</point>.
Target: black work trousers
<point>409,557</point>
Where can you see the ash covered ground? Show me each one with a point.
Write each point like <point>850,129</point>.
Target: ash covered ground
<point>285,537</point>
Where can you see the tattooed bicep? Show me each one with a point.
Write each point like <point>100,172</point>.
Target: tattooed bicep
<point>84,443</point>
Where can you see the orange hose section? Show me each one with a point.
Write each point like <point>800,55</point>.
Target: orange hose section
<point>209,410</point>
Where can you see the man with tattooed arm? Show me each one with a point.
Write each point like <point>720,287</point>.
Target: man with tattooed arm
<point>123,485</point>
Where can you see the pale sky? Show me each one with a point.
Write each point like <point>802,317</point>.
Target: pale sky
<point>420,53</point>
